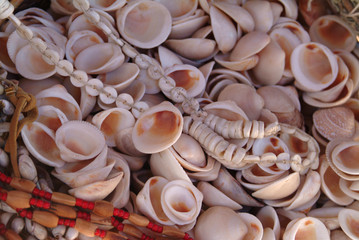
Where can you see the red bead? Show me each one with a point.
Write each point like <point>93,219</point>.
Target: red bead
<point>160,229</point>
<point>48,196</point>
<point>126,215</point>
<point>155,228</point>
<point>60,222</point>
<point>36,191</point>
<point>29,215</point>
<point>39,204</point>
<point>2,177</point>
<point>47,205</point>
<point>149,225</point>
<point>97,232</point>
<point>72,223</point>
<point>22,213</point>
<point>67,222</point>
<point>103,234</point>
<point>116,211</point>
<point>42,193</point>
<point>33,201</point>
<point>91,206</point>
<point>8,180</point>
<point>121,212</point>
<point>78,202</point>
<point>120,227</point>
<point>85,204</point>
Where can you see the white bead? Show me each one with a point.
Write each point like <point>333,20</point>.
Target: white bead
<point>104,28</point>
<point>155,71</point>
<point>93,16</point>
<point>138,108</point>
<point>166,84</point>
<point>108,95</point>
<point>25,32</point>
<point>81,5</point>
<point>129,51</point>
<point>64,68</point>
<point>94,86</point>
<point>190,106</point>
<point>6,9</point>
<point>79,78</point>
<point>51,56</point>
<point>142,61</point>
<point>178,94</point>
<point>39,44</point>
<point>124,100</point>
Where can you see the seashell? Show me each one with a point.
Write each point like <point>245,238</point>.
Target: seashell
<point>111,121</point>
<point>238,65</point>
<point>107,6</point>
<point>79,140</point>
<point>270,67</point>
<point>224,31</point>
<point>254,226</point>
<point>187,27</point>
<point>227,184</point>
<point>258,175</point>
<point>80,40</point>
<point>262,14</point>
<point>131,19</point>
<point>121,77</point>
<point>89,59</point>
<point>97,190</point>
<point>24,62</point>
<point>192,48</point>
<point>290,8</point>
<point>62,7</point>
<point>27,168</point>
<point>232,225</point>
<point>330,184</point>
<point>280,188</point>
<point>180,9</point>
<point>269,219</point>
<point>277,10</point>
<point>323,28</point>
<point>336,122</point>
<point>307,227</point>
<point>328,215</point>
<point>71,233</point>
<point>342,155</point>
<point>245,97</point>
<point>58,97</point>
<point>294,26</point>
<point>167,57</point>
<point>134,163</point>
<point>5,60</point>
<point>295,145</point>
<point>348,220</point>
<point>268,234</point>
<point>339,234</point>
<point>125,144</point>
<point>188,77</point>
<point>165,164</point>
<point>34,87</point>
<point>276,100</point>
<point>213,197</point>
<point>40,141</point>
<point>157,128</point>
<point>121,194</point>
<point>349,188</point>
<point>306,59</point>
<point>51,117</point>
<point>35,229</point>
<point>77,174</point>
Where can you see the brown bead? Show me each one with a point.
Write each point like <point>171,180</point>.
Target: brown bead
<point>173,232</point>
<point>103,208</point>
<point>132,231</point>
<point>11,235</point>
<point>138,220</point>
<point>18,199</point>
<point>45,219</point>
<point>86,228</point>
<point>114,236</point>
<point>101,220</point>
<point>63,198</point>
<point>63,211</point>
<point>22,184</point>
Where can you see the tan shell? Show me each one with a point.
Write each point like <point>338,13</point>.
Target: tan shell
<point>157,128</point>
<point>51,117</point>
<point>323,28</point>
<point>106,5</point>
<point>262,14</point>
<point>124,143</point>
<point>188,26</point>
<point>254,226</point>
<point>79,140</point>
<point>121,77</point>
<point>348,220</point>
<point>328,215</point>
<point>337,122</point>
<point>307,227</point>
<point>180,9</point>
<point>269,219</point>
<point>143,23</point>
<point>5,60</point>
<point>343,154</point>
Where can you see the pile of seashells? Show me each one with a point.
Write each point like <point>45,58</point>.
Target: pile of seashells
<point>228,119</point>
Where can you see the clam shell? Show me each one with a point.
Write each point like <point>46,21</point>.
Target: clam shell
<point>62,7</point>
<point>187,27</point>
<point>157,128</point>
<point>254,226</point>
<point>262,14</point>
<point>307,227</point>
<point>328,215</point>
<point>343,155</point>
<point>5,60</point>
<point>51,117</point>
<point>143,23</point>
<point>322,30</point>
<point>348,220</point>
<point>125,144</point>
<point>306,59</point>
<point>276,100</point>
<point>236,65</point>
<point>337,122</point>
<point>232,225</point>
<point>167,57</point>
<point>269,219</point>
<point>79,140</point>
<point>34,87</point>
<point>99,58</point>
<point>107,5</point>
<point>353,65</point>
<point>192,48</point>
<point>180,9</point>
<point>112,121</point>
<point>349,188</point>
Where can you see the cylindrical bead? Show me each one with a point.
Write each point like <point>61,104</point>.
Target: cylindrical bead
<point>18,199</point>
<point>45,219</point>
<point>86,228</point>
<point>63,199</point>
<point>22,184</point>
<point>132,231</point>
<point>63,211</point>
<point>100,220</point>
<point>103,208</point>
<point>138,220</point>
<point>173,232</point>
<point>11,235</point>
<point>113,236</point>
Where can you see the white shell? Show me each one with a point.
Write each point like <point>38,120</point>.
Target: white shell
<point>307,227</point>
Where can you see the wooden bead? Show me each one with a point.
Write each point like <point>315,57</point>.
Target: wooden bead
<point>45,219</point>
<point>11,235</point>
<point>138,220</point>
<point>86,228</point>
<point>63,199</point>
<point>173,232</point>
<point>63,211</point>
<point>22,184</point>
<point>100,220</point>
<point>132,231</point>
<point>18,199</point>
<point>103,208</point>
<point>114,236</point>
